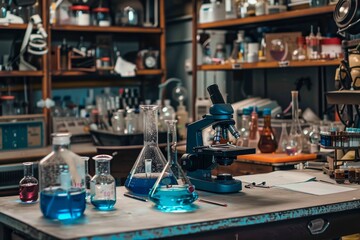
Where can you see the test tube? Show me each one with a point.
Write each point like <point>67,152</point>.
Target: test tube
<point>148,167</point>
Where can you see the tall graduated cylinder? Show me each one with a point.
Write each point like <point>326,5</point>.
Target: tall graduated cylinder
<point>62,181</point>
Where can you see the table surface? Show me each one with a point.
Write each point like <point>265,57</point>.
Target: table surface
<point>135,219</point>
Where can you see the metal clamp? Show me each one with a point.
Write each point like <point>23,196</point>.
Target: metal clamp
<point>318,226</point>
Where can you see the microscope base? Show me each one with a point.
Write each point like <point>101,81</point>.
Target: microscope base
<point>216,186</point>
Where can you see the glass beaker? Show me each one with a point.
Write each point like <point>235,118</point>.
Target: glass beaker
<point>28,185</point>
<point>62,178</point>
<point>278,49</point>
<point>103,187</point>
<point>173,191</point>
<point>118,121</point>
<point>295,140</point>
<point>150,161</point>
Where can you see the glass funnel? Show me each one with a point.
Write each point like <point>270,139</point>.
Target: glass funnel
<point>295,140</point>
<point>150,161</point>
<point>173,191</point>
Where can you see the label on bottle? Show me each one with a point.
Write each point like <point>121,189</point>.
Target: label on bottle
<point>103,191</point>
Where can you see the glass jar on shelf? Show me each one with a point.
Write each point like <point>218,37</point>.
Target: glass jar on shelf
<point>299,54</point>
<point>80,15</point>
<point>101,17</point>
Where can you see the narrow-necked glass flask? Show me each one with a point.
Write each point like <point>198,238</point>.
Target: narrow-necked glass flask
<point>150,161</point>
<point>267,142</point>
<point>29,185</point>
<point>173,191</point>
<point>284,136</point>
<point>62,181</point>
<point>103,187</point>
<point>87,178</point>
<point>294,143</point>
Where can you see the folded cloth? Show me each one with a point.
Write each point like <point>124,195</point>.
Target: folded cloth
<point>124,68</point>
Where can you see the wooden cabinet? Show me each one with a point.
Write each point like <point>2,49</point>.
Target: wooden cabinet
<point>293,19</point>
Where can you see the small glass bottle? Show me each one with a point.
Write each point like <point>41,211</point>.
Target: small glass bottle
<point>173,191</point>
<point>283,139</point>
<point>245,128</point>
<point>314,136</point>
<point>103,187</point>
<point>253,129</point>
<point>267,142</point>
<point>28,186</point>
<point>118,121</point>
<point>130,122</point>
<point>64,49</point>
<point>299,54</point>
<point>294,144</point>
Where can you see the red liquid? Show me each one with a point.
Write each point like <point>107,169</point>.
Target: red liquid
<point>29,192</point>
<point>277,54</point>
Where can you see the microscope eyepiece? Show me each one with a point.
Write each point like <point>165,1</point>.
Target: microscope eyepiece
<point>215,94</point>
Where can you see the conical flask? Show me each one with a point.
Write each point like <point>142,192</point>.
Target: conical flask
<point>150,161</point>
<point>173,191</point>
<point>284,136</point>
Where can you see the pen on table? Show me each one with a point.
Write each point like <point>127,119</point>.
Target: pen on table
<point>319,180</point>
<point>135,197</point>
<point>212,202</point>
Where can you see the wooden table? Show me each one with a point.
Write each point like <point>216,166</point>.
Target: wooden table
<point>256,213</point>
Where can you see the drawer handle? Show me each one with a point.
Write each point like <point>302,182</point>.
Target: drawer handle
<point>318,226</point>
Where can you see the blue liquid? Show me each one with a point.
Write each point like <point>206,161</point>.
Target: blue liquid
<point>174,199</point>
<point>139,184</point>
<point>104,205</point>
<point>62,205</point>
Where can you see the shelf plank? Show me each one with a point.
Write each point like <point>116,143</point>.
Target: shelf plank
<point>114,29</point>
<point>21,73</point>
<point>268,18</point>
<point>13,26</point>
<point>26,116</point>
<point>79,73</point>
<point>261,65</point>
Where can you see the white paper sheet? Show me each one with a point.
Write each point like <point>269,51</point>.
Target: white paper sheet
<point>276,178</point>
<point>316,188</point>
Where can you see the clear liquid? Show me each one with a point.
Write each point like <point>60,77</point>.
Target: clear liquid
<point>61,204</point>
<point>174,199</point>
<point>29,192</point>
<point>140,184</point>
<point>104,205</point>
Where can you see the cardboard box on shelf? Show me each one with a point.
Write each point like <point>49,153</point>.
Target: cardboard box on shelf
<point>279,46</point>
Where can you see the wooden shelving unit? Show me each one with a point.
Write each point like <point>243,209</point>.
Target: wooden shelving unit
<point>13,26</point>
<point>264,19</point>
<point>271,20</point>
<point>21,74</point>
<point>113,29</point>
<point>144,72</point>
<point>263,65</point>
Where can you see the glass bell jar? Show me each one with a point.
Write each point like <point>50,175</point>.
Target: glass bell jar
<point>173,191</point>
<point>62,181</point>
<point>150,161</point>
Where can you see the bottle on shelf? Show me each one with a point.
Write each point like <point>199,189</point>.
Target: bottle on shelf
<point>182,116</point>
<point>238,51</point>
<point>63,13</point>
<point>166,113</point>
<point>118,121</point>
<point>299,54</point>
<point>267,142</point>
<point>253,129</point>
<point>64,50</point>
<point>62,178</point>
<point>312,45</point>
<point>103,187</point>
<point>314,136</point>
<point>28,185</point>
<point>245,128</point>
<point>295,140</point>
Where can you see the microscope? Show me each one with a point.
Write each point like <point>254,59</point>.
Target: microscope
<point>199,160</point>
